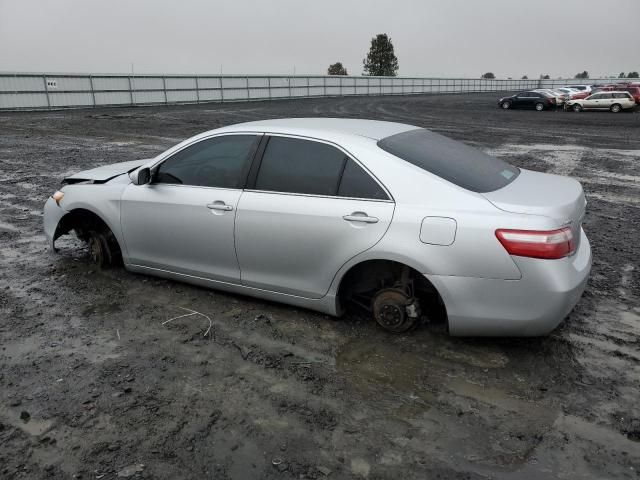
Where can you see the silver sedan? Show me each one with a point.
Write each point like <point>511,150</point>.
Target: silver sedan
<point>333,213</point>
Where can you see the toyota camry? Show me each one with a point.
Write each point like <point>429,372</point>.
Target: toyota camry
<point>332,213</point>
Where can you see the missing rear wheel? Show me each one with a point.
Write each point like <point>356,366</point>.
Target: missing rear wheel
<point>394,310</point>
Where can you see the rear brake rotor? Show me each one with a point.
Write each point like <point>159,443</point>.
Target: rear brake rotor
<point>392,308</point>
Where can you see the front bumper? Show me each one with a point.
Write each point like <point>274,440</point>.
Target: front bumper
<point>52,216</point>
<point>531,306</point>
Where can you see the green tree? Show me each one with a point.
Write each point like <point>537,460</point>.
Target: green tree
<point>545,77</point>
<point>524,77</point>
<point>488,75</point>
<point>381,61</point>
<point>621,75</point>
<point>584,74</point>
<point>337,69</point>
<point>633,75</point>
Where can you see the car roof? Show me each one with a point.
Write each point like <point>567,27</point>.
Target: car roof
<point>327,127</point>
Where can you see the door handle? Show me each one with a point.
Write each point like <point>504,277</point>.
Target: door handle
<point>360,217</point>
<point>218,205</point>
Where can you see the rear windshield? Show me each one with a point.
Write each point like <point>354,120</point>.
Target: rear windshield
<point>454,161</point>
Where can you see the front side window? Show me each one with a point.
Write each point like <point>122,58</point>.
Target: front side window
<point>453,161</point>
<point>214,162</point>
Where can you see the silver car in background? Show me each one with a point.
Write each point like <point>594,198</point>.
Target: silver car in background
<point>328,213</point>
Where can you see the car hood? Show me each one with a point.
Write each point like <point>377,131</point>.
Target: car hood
<point>105,173</point>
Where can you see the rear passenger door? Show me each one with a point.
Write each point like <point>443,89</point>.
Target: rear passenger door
<point>535,98</point>
<point>307,210</point>
<point>607,100</point>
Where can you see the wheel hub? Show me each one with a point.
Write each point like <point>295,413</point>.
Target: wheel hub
<point>391,315</point>
<point>391,309</point>
<point>95,250</point>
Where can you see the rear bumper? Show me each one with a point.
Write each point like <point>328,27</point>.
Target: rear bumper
<point>531,306</point>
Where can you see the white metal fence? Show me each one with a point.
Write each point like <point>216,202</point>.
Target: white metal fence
<point>38,91</point>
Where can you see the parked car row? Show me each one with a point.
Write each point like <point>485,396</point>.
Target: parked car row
<point>615,98</point>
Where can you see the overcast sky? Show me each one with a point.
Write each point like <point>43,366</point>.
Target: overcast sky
<point>431,37</point>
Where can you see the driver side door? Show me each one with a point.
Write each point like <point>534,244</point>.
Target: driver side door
<point>183,221</point>
<point>593,101</point>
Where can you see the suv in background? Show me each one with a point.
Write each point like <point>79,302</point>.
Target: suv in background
<point>538,100</point>
<point>634,90</point>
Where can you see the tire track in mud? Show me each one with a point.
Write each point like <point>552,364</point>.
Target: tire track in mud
<point>277,392</point>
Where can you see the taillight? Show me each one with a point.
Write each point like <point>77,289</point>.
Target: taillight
<point>549,244</point>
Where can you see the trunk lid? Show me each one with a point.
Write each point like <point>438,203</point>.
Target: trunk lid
<point>106,172</point>
<point>553,196</point>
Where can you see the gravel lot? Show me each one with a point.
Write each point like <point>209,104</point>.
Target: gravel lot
<point>94,386</point>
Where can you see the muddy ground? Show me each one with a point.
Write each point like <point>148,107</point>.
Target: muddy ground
<point>93,385</point>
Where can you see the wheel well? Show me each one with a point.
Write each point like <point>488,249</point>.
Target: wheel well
<point>363,280</point>
<point>83,222</point>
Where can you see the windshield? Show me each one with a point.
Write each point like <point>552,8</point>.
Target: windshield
<point>453,161</point>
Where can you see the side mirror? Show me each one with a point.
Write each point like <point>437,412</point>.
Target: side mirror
<point>141,176</point>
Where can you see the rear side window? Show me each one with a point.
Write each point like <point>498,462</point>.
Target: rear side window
<point>215,162</point>
<point>453,161</point>
<point>300,166</point>
<point>356,183</point>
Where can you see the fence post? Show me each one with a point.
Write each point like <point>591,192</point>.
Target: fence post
<point>324,82</point>
<point>221,90</point>
<point>269,87</point>
<point>308,89</point>
<point>248,94</point>
<point>131,90</point>
<point>93,93</point>
<point>46,89</point>
<point>164,89</point>
<point>289,79</point>
<point>197,90</point>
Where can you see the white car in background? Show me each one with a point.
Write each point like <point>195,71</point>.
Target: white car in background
<point>572,92</point>
<point>612,101</point>
<point>582,88</point>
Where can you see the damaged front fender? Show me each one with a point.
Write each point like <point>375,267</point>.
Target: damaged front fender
<point>53,215</point>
